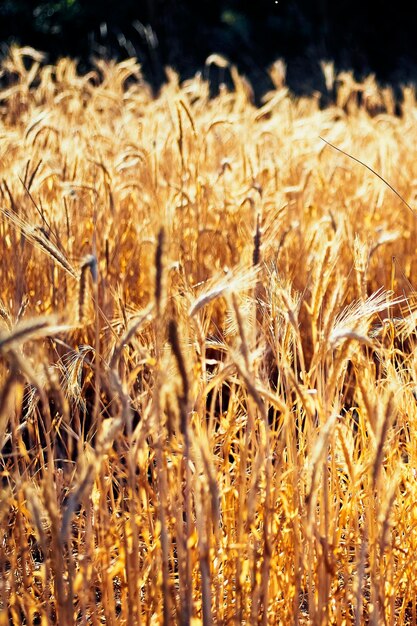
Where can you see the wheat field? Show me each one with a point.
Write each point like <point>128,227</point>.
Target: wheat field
<point>207,329</point>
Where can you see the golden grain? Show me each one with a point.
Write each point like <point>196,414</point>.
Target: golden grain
<point>233,440</point>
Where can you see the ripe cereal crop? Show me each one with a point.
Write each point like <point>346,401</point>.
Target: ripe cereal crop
<point>208,373</point>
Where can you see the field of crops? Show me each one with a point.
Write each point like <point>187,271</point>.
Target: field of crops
<point>208,378</point>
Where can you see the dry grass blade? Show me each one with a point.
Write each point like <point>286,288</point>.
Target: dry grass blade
<point>108,432</point>
<point>373,172</point>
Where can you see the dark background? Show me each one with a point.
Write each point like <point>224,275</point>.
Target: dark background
<point>367,36</point>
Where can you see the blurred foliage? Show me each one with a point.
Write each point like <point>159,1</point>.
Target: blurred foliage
<point>366,36</point>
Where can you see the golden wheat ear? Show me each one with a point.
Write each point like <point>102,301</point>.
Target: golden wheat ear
<point>30,330</point>
<point>159,269</point>
<point>37,236</point>
<point>88,263</point>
